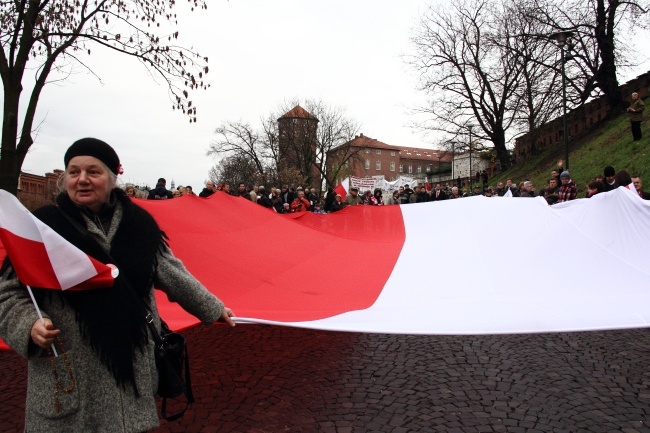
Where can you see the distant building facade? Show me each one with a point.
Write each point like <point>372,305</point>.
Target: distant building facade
<point>297,142</point>
<point>35,191</point>
<point>376,158</point>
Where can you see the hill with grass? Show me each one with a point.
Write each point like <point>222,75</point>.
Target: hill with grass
<point>608,144</point>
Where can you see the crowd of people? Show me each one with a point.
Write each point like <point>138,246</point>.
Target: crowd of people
<point>560,187</point>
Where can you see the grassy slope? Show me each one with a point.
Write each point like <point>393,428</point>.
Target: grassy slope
<point>609,144</point>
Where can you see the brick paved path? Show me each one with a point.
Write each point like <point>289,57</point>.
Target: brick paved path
<point>260,379</point>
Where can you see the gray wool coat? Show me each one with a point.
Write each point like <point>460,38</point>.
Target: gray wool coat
<point>94,403</point>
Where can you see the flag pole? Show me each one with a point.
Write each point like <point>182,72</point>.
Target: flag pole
<point>40,316</point>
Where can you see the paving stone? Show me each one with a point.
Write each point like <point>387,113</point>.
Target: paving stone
<point>276,379</point>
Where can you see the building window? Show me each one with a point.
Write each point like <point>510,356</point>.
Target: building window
<point>401,168</point>
<point>367,164</point>
<point>419,169</point>
<point>392,166</point>
<point>410,168</point>
<point>367,151</point>
<point>377,165</point>
<point>392,153</point>
<point>429,168</point>
<point>378,152</point>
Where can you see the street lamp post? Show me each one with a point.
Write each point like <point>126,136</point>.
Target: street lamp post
<point>561,38</point>
<point>438,155</point>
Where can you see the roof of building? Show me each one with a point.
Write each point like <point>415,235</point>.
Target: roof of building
<point>405,152</point>
<point>298,112</point>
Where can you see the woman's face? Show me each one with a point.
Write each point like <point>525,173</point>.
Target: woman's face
<point>88,182</point>
<point>130,192</point>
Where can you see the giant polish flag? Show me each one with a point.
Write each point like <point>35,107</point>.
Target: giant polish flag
<point>41,257</point>
<point>467,266</point>
<point>475,265</point>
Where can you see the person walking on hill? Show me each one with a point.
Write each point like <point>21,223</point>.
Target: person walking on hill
<point>635,111</point>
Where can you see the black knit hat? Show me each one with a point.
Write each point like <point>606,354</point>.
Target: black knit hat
<point>95,148</point>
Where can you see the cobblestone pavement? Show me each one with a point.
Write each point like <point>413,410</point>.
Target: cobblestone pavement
<point>263,379</point>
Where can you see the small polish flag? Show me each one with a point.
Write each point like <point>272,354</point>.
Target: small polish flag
<point>42,258</point>
<point>343,188</point>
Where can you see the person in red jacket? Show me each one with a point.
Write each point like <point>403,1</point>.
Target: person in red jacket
<point>300,204</point>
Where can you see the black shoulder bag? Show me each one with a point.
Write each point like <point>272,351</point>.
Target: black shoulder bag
<point>170,352</point>
<point>171,359</point>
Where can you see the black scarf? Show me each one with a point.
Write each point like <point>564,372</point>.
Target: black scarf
<point>111,320</point>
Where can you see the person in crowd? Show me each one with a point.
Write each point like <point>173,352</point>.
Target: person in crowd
<point>500,189</point>
<point>512,187</point>
<point>338,203</point>
<point>477,191</point>
<point>529,190</point>
<point>242,192</point>
<point>403,199</point>
<point>263,198</point>
<point>594,187</point>
<point>329,199</point>
<point>105,376</point>
<point>276,201</point>
<point>484,178</point>
<point>188,191</point>
<point>379,197</point>
<point>220,187</point>
<point>130,191</point>
<point>160,192</point>
<point>422,196</point>
<point>286,207</point>
<point>226,188</point>
<point>353,198</point>
<point>368,199</point>
<point>313,198</point>
<point>623,178</point>
<point>408,192</point>
<point>635,111</point>
<point>551,191</point>
<point>568,189</point>
<point>253,190</point>
<point>208,190</point>
<point>638,186</point>
<point>300,203</point>
<point>488,192</point>
<point>176,193</point>
<point>610,178</point>
<point>455,193</point>
<point>394,198</point>
<point>438,194</point>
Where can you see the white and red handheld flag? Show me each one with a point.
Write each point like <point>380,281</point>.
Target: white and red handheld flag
<point>41,257</point>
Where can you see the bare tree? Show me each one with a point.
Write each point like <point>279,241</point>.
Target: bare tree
<point>470,78</point>
<point>234,169</point>
<point>48,36</point>
<point>601,29</point>
<point>297,156</point>
<point>539,94</point>
<point>241,140</point>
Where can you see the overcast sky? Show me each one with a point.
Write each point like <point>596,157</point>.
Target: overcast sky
<point>261,53</point>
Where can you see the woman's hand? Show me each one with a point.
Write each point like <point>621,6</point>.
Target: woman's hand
<point>226,315</point>
<point>43,334</point>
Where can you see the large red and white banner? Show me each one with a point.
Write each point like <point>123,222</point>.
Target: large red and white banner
<point>475,265</point>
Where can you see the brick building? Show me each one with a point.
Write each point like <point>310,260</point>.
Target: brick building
<point>375,158</point>
<point>297,142</point>
<point>35,191</point>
